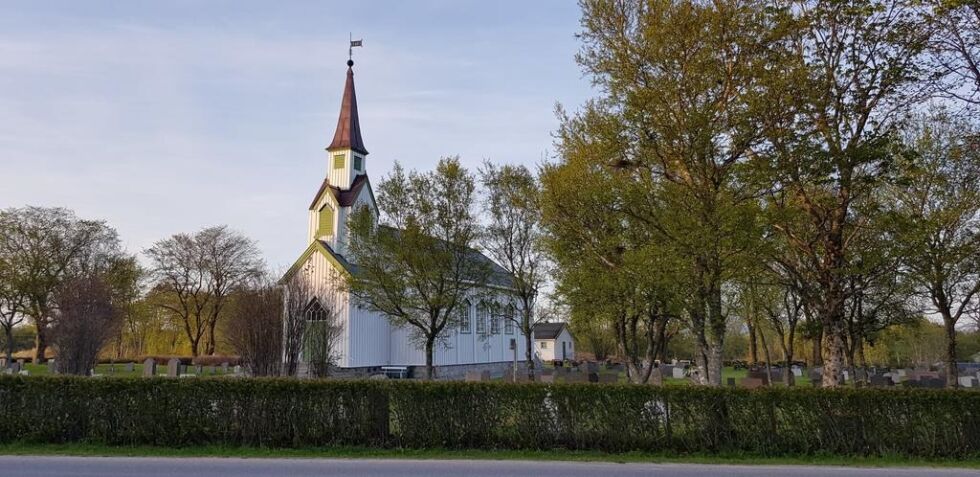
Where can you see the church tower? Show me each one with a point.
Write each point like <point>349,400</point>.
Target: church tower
<point>346,153</point>
<point>346,184</point>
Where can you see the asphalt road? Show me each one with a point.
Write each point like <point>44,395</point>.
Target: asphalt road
<point>25,466</point>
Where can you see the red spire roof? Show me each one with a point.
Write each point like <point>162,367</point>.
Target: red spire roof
<point>348,134</point>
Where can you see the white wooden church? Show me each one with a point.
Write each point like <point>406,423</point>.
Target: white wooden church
<point>369,342</point>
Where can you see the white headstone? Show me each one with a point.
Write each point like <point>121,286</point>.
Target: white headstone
<point>678,372</point>
<point>966,381</point>
<point>797,371</point>
<point>173,368</point>
<point>149,368</point>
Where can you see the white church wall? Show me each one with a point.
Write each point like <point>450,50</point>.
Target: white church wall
<point>326,285</point>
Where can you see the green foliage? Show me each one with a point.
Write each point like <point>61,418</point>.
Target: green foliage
<point>285,413</point>
<point>416,263</point>
<point>171,412</point>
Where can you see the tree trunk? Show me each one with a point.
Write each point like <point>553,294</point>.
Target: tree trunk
<point>833,354</point>
<point>816,357</point>
<point>951,372</point>
<point>788,378</point>
<point>765,350</point>
<point>40,342</point>
<point>211,339</point>
<point>429,345</point>
<point>529,355</point>
<point>753,346</point>
<point>661,352</point>
<point>195,344</point>
<point>9,336</point>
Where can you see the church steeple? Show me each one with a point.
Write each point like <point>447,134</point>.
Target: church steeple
<point>348,133</point>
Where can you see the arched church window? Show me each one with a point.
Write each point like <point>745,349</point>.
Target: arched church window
<point>509,320</point>
<point>316,330</point>
<point>495,319</point>
<point>315,311</point>
<point>482,310</point>
<point>465,317</point>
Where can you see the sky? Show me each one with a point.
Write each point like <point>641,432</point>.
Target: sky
<point>167,117</point>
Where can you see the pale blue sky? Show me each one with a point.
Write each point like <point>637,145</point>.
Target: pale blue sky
<point>165,117</point>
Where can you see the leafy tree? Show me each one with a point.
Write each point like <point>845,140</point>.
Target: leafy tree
<point>937,215</point>
<point>416,263</point>
<point>856,70</point>
<point>199,272</point>
<point>610,272</point>
<point>685,90</point>
<point>513,238</point>
<point>956,48</point>
<point>44,248</point>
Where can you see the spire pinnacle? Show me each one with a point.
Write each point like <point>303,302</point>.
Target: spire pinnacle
<point>348,133</point>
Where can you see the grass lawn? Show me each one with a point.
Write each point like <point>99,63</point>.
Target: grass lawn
<point>86,449</point>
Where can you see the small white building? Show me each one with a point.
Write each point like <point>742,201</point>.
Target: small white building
<point>553,341</point>
<point>368,341</point>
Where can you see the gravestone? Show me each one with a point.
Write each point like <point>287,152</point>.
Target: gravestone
<point>593,377</point>
<point>199,369</point>
<point>129,367</point>
<point>608,378</point>
<point>3,362</point>
<point>880,381</point>
<point>757,374</point>
<point>656,377</point>
<point>932,383</point>
<point>52,369</point>
<point>576,378</point>
<point>730,382</point>
<point>173,368</point>
<point>224,368</point>
<point>15,367</point>
<point>777,374</point>
<point>149,368</point>
<point>797,371</point>
<point>546,378</point>
<point>667,370</point>
<point>860,375</point>
<point>238,370</point>
<point>752,383</point>
<point>815,374</point>
<point>966,381</point>
<point>20,364</point>
<point>678,372</point>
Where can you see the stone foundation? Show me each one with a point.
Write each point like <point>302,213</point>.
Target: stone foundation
<point>456,372</point>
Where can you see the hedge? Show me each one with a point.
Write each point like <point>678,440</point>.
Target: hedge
<point>615,418</point>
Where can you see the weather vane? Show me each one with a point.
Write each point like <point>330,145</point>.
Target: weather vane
<point>350,51</point>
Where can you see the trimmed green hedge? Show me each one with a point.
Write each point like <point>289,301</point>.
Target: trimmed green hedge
<point>296,413</point>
